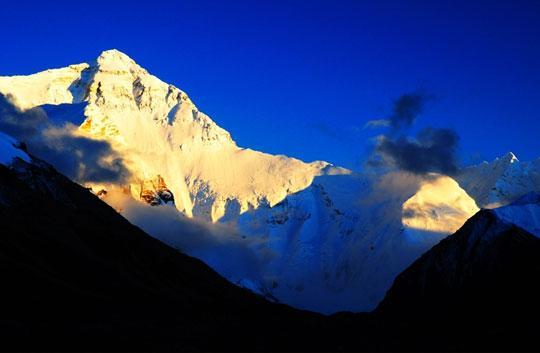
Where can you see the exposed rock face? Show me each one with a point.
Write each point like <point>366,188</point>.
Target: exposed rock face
<point>154,192</point>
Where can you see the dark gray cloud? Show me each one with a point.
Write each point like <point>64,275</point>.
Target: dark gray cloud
<point>20,124</point>
<point>81,159</point>
<point>78,157</point>
<point>433,150</point>
<point>406,109</point>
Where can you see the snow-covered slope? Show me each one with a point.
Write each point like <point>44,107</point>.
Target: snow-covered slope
<point>318,236</point>
<point>524,212</point>
<point>337,245</point>
<point>500,182</point>
<point>346,237</point>
<point>9,150</point>
<point>429,207</point>
<point>159,131</point>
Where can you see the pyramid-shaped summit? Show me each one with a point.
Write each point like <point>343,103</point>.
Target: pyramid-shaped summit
<point>510,157</point>
<point>113,60</point>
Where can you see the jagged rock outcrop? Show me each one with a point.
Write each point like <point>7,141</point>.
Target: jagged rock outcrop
<point>154,191</point>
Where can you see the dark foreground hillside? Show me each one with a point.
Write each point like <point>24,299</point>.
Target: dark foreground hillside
<point>77,276</point>
<point>475,290</point>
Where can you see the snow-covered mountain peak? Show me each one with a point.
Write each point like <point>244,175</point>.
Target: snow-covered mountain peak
<point>500,182</point>
<point>509,157</point>
<point>114,60</point>
<point>159,131</point>
<point>440,205</point>
<point>53,86</point>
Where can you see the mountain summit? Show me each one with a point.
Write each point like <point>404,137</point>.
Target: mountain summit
<point>500,182</point>
<point>112,59</point>
<point>159,131</point>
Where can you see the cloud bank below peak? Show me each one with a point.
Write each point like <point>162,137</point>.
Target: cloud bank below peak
<point>81,158</point>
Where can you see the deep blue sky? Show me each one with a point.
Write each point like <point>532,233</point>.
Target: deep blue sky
<point>303,77</point>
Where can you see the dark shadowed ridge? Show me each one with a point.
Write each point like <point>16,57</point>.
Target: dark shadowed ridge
<point>475,290</point>
<point>77,276</point>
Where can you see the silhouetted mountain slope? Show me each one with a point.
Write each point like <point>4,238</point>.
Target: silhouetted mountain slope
<point>476,289</point>
<point>78,276</point>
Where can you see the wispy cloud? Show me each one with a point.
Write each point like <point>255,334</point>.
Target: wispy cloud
<point>219,245</point>
<point>81,158</point>
<point>377,123</point>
